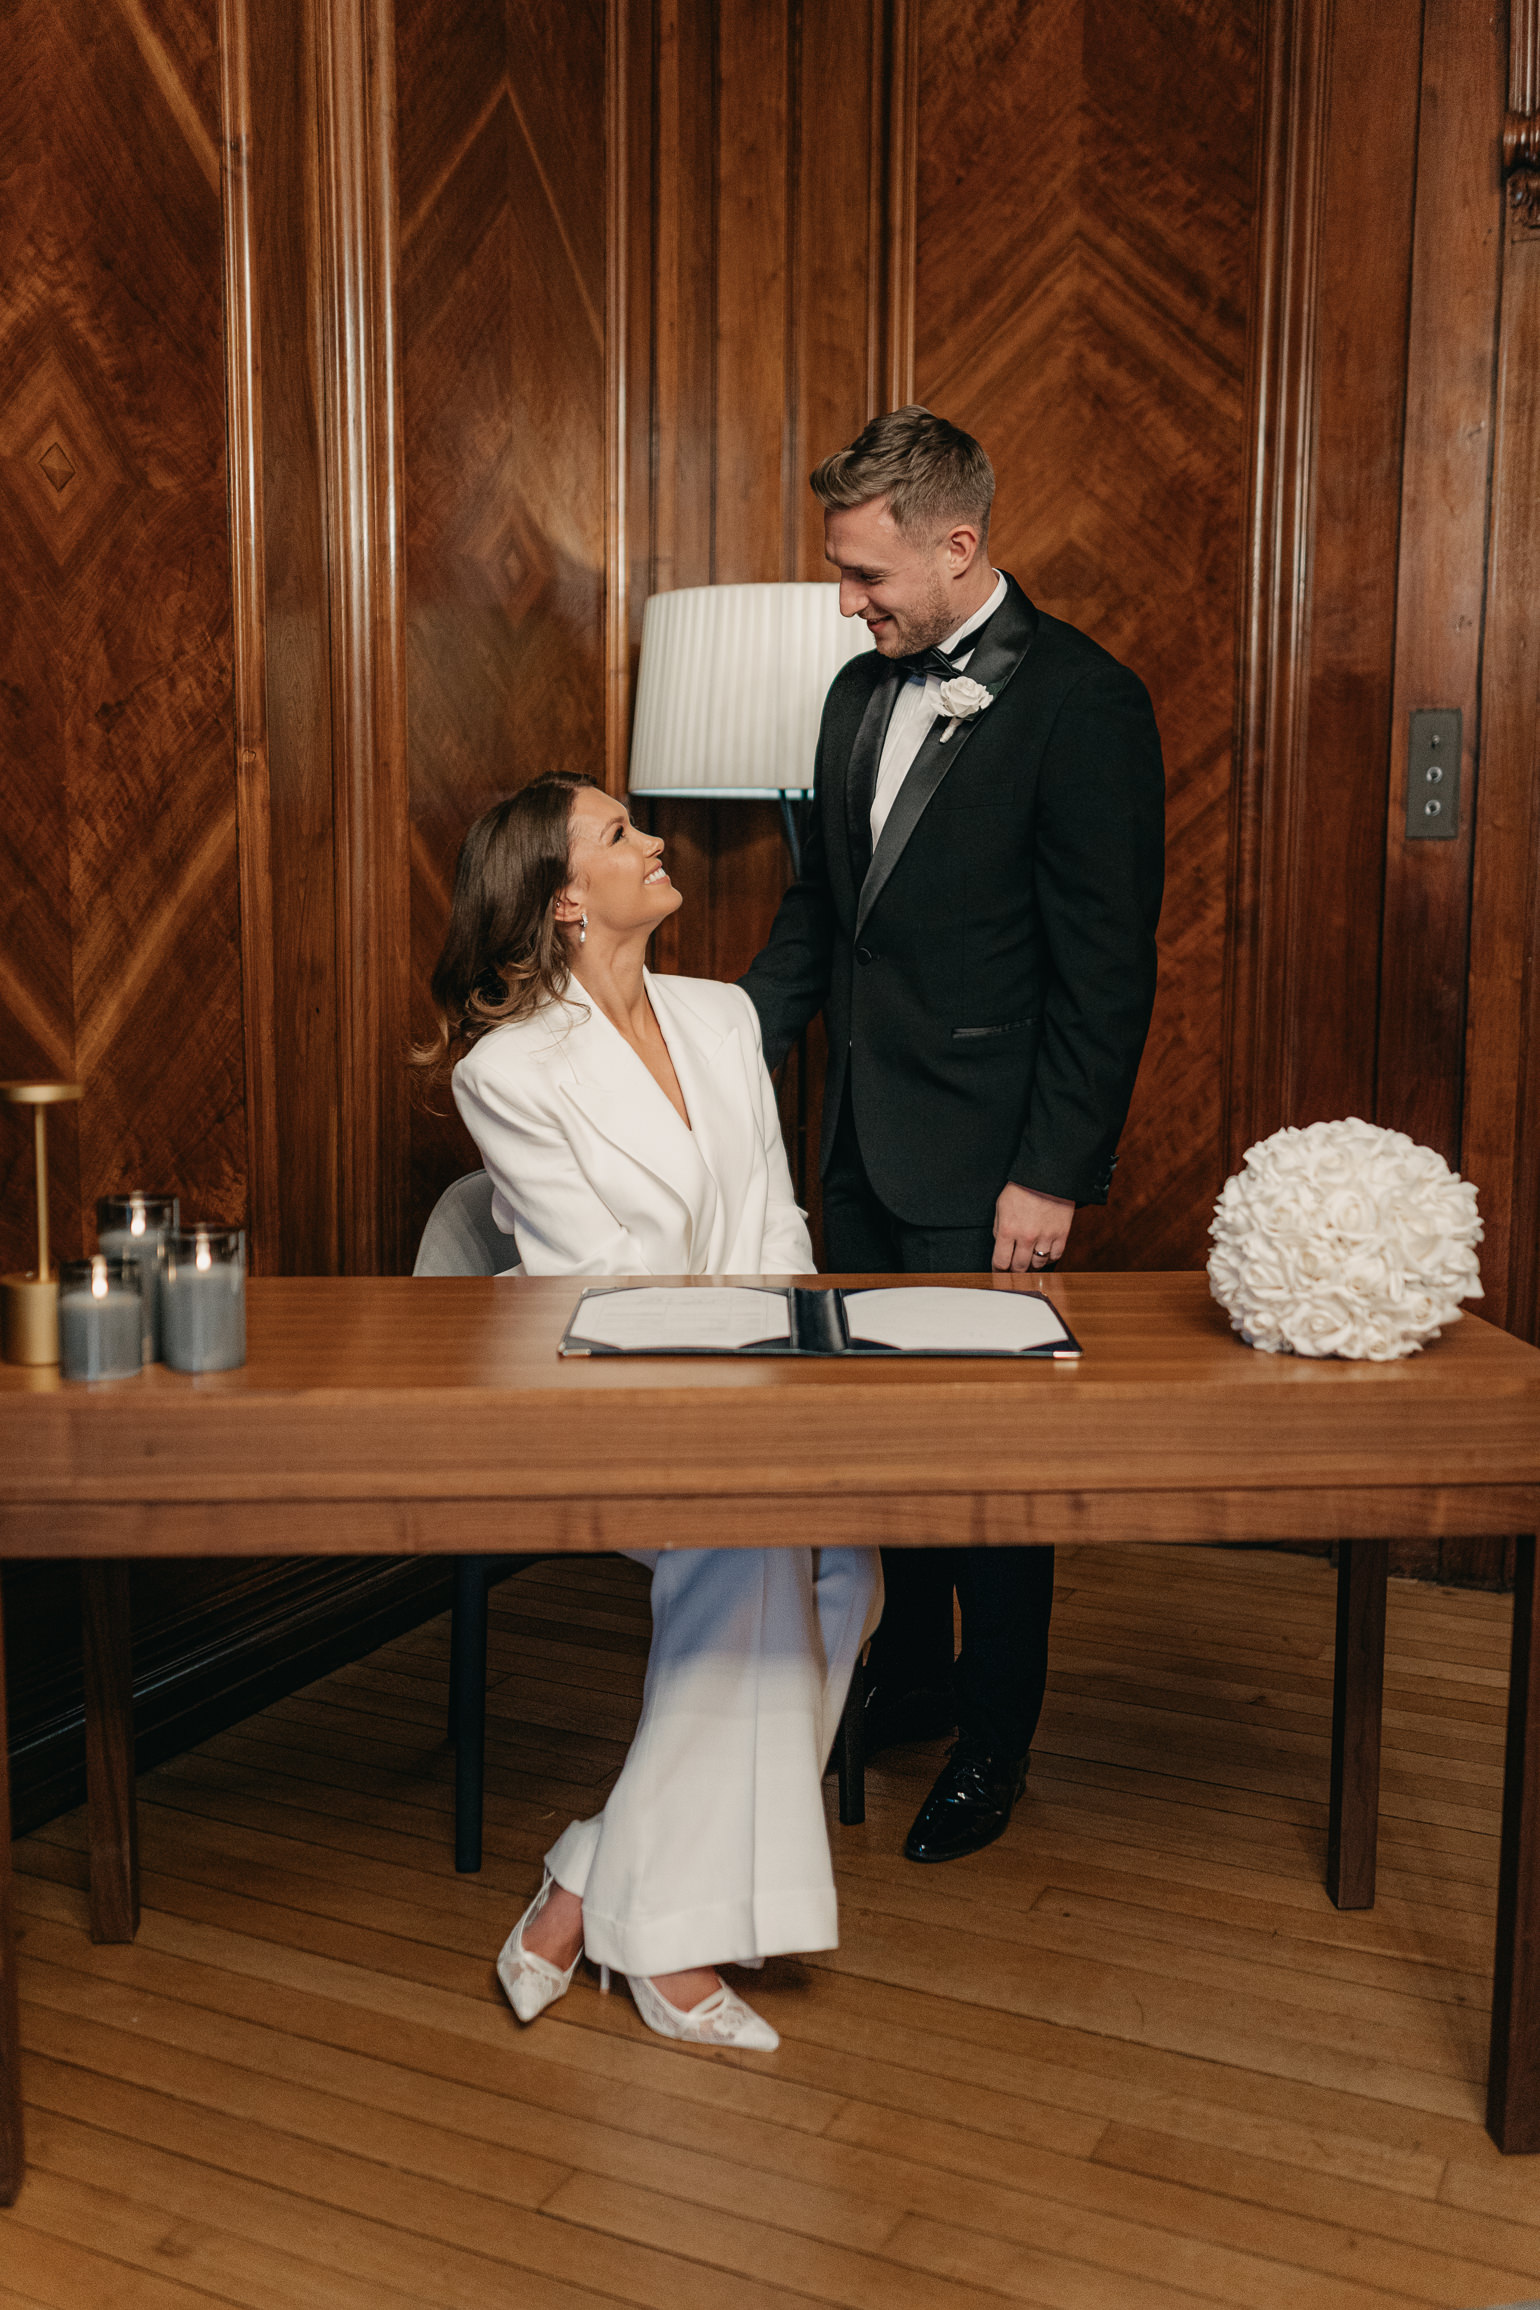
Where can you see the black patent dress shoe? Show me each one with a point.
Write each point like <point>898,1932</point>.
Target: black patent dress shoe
<point>969,1806</point>
<point>890,1719</point>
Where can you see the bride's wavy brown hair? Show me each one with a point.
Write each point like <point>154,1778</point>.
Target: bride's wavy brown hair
<point>504,955</point>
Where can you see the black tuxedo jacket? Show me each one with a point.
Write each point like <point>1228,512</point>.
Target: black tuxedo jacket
<point>988,981</point>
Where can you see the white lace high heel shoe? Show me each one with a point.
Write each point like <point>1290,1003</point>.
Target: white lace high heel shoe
<point>530,1982</point>
<point>720,2019</point>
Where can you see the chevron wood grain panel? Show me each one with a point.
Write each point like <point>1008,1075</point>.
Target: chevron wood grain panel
<point>118,888</point>
<point>502,308</point>
<point>1081,304</point>
<point>118,955</point>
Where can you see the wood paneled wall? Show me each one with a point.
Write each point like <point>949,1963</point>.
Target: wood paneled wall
<point>1395,538</point>
<point>1501,1119</point>
<point>627,397</point>
<point>502,297</point>
<point>780,193</point>
<point>366,364</point>
<point>1082,304</point>
<point>200,667</point>
<point>119,958</point>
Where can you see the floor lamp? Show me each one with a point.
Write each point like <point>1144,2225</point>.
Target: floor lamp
<point>730,689</point>
<point>728,699</point>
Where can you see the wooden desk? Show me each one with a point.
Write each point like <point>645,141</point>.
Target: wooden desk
<point>401,1415</point>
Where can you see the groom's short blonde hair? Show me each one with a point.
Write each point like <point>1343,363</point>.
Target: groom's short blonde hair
<point>930,472</point>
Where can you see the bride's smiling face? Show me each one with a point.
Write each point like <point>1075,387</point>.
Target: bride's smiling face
<point>617,877</point>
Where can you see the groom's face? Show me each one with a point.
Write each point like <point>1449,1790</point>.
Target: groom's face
<point>902,588</point>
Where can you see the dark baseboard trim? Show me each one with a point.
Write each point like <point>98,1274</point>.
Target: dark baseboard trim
<point>198,1672</point>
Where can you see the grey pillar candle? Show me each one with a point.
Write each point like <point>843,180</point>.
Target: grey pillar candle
<point>101,1319</point>
<point>135,1226</point>
<point>203,1299</point>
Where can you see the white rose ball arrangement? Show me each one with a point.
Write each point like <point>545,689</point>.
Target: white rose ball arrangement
<point>1344,1240</point>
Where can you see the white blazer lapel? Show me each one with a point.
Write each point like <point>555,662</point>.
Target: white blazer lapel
<point>709,1063</point>
<point>619,1100</point>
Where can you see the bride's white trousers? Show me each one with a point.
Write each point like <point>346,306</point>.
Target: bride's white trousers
<point>713,1845</point>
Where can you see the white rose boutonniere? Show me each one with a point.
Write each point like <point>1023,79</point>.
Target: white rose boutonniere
<point>962,698</point>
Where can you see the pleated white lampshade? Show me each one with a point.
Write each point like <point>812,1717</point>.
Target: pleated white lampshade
<point>731,687</point>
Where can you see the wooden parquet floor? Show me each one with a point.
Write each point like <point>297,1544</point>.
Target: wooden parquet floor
<point>1129,2059</point>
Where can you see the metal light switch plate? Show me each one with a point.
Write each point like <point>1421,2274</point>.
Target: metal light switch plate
<point>1433,775</point>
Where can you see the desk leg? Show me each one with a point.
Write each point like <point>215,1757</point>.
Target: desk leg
<point>112,1812</point>
<point>468,1705</point>
<point>1358,1696</point>
<point>1513,2067</point>
<point>850,1751</point>
<point>12,2163</point>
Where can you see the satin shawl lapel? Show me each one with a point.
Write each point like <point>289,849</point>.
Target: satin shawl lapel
<point>1007,639</point>
<point>612,1088</point>
<point>861,769</point>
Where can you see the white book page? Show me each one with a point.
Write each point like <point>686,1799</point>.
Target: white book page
<point>941,1317</point>
<point>672,1316</point>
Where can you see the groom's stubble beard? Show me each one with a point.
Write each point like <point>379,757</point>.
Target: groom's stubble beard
<point>922,624</point>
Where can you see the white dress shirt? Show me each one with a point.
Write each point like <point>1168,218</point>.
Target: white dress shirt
<point>917,707</point>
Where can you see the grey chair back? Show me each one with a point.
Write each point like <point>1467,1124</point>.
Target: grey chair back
<point>461,1237</point>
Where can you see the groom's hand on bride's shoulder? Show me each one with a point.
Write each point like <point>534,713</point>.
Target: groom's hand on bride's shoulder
<point>1031,1230</point>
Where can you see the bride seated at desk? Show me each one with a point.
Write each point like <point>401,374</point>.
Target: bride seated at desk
<point>630,1128</point>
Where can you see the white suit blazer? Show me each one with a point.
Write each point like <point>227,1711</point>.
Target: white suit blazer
<point>593,1171</point>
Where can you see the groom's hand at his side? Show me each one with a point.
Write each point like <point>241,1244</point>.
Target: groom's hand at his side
<point>1030,1230</point>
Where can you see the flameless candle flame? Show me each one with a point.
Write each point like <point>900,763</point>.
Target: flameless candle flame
<point>203,1299</point>
<point>136,1220</point>
<point>98,1278</point>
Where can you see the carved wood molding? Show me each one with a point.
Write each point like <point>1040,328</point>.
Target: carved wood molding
<point>1502,1107</point>
<point>1273,674</point>
<point>893,225</point>
<point>1521,129</point>
<point>617,549</point>
<point>248,580</point>
<point>366,555</point>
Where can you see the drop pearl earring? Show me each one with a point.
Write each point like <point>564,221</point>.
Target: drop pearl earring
<point>582,930</point>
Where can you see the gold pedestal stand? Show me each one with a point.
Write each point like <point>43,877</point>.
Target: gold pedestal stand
<point>29,1304</point>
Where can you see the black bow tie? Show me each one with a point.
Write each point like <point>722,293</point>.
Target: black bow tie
<point>927,662</point>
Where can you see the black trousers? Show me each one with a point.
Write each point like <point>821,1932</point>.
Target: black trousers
<point>1005,1594</point>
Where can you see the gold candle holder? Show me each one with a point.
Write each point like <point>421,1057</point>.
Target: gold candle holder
<point>29,1304</point>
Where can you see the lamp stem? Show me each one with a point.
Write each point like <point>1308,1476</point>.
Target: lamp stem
<point>40,1144</point>
<point>793,834</point>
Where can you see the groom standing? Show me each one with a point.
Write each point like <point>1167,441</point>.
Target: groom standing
<point>976,918</point>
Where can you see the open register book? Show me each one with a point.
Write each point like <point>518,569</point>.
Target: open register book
<point>766,1320</point>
